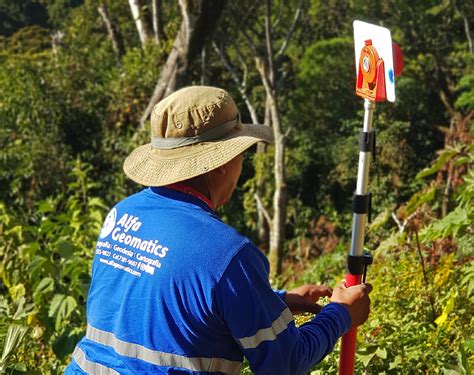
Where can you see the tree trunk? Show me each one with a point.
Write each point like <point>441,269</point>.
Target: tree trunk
<point>203,66</point>
<point>199,20</point>
<point>263,230</point>
<point>267,63</point>
<point>466,27</point>
<point>280,199</point>
<point>158,28</point>
<point>113,33</point>
<point>141,22</point>
<point>262,221</point>
<point>262,224</point>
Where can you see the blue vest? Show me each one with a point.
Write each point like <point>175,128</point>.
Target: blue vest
<point>176,291</point>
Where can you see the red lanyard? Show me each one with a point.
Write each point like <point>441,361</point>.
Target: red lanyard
<point>183,188</point>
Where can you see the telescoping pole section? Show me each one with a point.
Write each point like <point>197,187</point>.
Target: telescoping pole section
<point>358,261</point>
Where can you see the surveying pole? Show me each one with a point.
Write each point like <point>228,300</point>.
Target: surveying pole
<point>378,61</point>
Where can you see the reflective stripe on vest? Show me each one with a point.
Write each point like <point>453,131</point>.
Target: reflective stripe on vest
<point>91,367</point>
<point>270,333</point>
<point>160,358</point>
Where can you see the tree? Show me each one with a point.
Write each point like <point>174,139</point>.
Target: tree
<point>199,19</point>
<point>268,65</point>
<point>141,21</point>
<point>113,33</point>
<point>158,28</point>
<point>18,14</point>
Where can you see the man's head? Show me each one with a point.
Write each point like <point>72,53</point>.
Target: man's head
<point>194,131</point>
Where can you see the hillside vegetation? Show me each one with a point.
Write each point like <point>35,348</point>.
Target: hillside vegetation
<point>72,101</point>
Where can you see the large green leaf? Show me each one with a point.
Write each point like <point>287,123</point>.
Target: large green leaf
<point>66,249</point>
<point>443,158</point>
<point>55,304</point>
<point>39,267</point>
<point>15,335</point>
<point>451,225</point>
<point>44,287</point>
<point>420,198</point>
<point>394,240</point>
<point>61,307</point>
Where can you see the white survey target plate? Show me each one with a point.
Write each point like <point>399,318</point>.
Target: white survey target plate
<point>382,41</point>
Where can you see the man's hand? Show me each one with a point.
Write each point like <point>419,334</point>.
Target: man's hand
<point>304,298</point>
<point>356,299</point>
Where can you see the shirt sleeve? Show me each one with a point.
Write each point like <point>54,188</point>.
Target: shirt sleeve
<point>262,324</point>
<point>280,293</point>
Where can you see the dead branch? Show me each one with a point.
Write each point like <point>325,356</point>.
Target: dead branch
<point>203,66</point>
<point>261,208</point>
<point>425,277</point>
<point>113,33</point>
<point>466,27</point>
<point>401,227</point>
<point>269,44</point>
<point>241,84</point>
<point>291,30</point>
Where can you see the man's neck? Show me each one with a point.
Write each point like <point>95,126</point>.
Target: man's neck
<point>198,183</point>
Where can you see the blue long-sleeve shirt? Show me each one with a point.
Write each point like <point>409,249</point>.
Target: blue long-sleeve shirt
<point>175,290</point>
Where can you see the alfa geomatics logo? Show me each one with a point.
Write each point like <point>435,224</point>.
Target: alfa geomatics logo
<point>109,223</point>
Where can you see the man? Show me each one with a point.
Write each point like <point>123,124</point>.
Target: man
<point>175,290</point>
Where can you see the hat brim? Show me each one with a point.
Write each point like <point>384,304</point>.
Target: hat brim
<point>150,166</point>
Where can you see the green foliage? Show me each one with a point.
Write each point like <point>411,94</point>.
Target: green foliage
<point>466,99</point>
<point>325,66</point>
<point>454,224</point>
<point>30,40</point>
<point>459,221</point>
<point>13,339</point>
<point>328,269</point>
<point>420,198</point>
<point>414,327</point>
<point>465,86</point>
<point>30,136</point>
<point>46,265</point>
<point>421,320</point>
<point>450,287</point>
<point>401,323</point>
<point>441,161</point>
<point>69,115</point>
<point>20,13</point>
<point>58,10</point>
<point>329,19</point>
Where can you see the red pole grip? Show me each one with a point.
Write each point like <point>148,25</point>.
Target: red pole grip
<point>348,343</point>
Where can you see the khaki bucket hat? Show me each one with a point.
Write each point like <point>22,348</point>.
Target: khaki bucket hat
<point>193,131</point>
